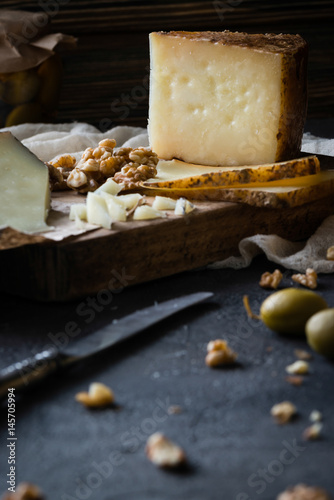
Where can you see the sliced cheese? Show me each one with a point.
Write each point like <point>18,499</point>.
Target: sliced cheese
<point>116,210</point>
<point>110,187</point>
<point>145,212</point>
<point>223,98</point>
<point>163,203</point>
<point>78,211</point>
<point>178,174</point>
<point>289,192</point>
<point>97,211</point>
<point>24,187</point>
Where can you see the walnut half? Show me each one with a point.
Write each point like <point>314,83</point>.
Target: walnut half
<point>163,452</point>
<point>303,492</point>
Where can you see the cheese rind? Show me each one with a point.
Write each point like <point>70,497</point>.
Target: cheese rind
<point>178,174</point>
<point>227,98</point>
<point>277,194</point>
<point>24,187</point>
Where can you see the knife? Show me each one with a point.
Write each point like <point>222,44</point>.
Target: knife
<point>25,373</point>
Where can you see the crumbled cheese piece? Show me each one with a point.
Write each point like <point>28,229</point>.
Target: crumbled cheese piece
<point>145,212</point>
<point>164,203</point>
<point>315,416</point>
<point>183,207</point>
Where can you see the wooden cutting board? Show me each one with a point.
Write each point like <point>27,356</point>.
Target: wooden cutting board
<point>139,251</point>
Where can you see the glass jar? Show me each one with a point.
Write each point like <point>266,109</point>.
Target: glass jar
<point>31,95</point>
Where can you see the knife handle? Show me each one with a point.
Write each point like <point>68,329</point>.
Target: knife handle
<point>31,370</point>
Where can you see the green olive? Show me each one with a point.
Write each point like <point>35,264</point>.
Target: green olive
<point>288,310</point>
<point>320,332</point>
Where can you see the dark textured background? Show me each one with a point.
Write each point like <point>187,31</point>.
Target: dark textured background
<point>106,77</point>
<point>225,427</point>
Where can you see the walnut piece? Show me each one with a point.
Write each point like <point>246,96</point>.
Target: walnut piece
<point>303,492</point>
<point>330,253</point>
<point>312,432</point>
<point>65,162</point>
<point>303,355</point>
<point>299,367</point>
<point>132,175</point>
<point>271,280</point>
<point>219,353</point>
<point>96,165</point>
<point>25,491</point>
<point>56,178</point>
<point>98,395</point>
<point>309,279</point>
<point>283,412</point>
<point>295,380</point>
<point>163,452</point>
<point>138,165</point>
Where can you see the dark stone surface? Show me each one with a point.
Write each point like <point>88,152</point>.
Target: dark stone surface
<point>235,450</point>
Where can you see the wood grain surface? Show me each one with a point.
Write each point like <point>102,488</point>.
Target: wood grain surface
<point>140,251</point>
<point>106,77</point>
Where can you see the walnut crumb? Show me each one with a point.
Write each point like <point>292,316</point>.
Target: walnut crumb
<point>174,409</point>
<point>309,279</point>
<point>271,280</point>
<point>283,412</point>
<point>313,431</point>
<point>163,452</point>
<point>303,492</point>
<point>98,395</point>
<point>25,491</point>
<point>303,355</point>
<point>296,380</point>
<point>299,367</point>
<point>330,253</point>
<point>219,353</point>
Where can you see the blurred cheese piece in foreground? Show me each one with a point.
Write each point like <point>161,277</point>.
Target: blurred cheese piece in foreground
<point>223,98</point>
<point>24,187</point>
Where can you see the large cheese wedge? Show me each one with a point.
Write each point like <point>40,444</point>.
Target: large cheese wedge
<point>178,174</point>
<point>24,187</point>
<point>277,194</point>
<point>223,98</point>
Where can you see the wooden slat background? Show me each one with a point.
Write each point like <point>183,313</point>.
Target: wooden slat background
<point>106,77</point>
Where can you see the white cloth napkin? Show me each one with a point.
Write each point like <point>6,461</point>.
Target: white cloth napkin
<point>49,141</point>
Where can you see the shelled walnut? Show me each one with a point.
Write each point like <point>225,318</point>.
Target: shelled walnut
<point>163,452</point>
<point>219,353</point>
<point>283,412</point>
<point>125,165</point>
<point>98,395</point>
<point>303,492</point>
<point>309,279</point>
<point>25,491</point>
<point>330,253</point>
<point>271,280</point>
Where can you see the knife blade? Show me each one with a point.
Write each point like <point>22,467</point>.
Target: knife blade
<point>25,373</point>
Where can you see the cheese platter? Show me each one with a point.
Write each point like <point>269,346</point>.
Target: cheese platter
<point>217,181</point>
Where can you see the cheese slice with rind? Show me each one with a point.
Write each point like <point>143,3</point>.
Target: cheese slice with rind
<point>24,187</point>
<point>278,194</point>
<point>179,175</point>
